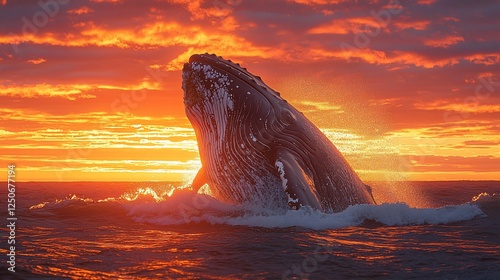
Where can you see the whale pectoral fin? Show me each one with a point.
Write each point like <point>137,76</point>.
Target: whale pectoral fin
<point>296,180</point>
<point>199,180</point>
<point>370,192</point>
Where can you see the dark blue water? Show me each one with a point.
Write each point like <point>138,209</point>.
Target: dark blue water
<point>426,230</point>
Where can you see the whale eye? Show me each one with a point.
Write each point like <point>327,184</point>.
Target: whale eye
<point>288,117</point>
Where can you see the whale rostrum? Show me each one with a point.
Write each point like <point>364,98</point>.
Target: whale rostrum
<point>254,146</point>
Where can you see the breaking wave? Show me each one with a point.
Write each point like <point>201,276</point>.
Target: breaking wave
<point>184,207</point>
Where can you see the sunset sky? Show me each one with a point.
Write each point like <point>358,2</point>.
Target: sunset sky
<point>91,90</point>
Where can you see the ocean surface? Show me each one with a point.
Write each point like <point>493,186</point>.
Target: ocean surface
<point>419,230</point>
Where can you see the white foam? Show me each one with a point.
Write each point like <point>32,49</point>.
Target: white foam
<point>284,181</point>
<point>253,137</point>
<point>215,212</point>
<point>184,207</point>
<point>485,197</point>
<point>387,214</point>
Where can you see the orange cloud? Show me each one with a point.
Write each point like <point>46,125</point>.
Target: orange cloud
<point>327,12</point>
<point>420,60</point>
<point>444,42</point>
<point>379,57</point>
<point>29,91</point>
<point>217,9</point>
<point>386,101</point>
<point>36,61</point>
<point>464,107</point>
<point>451,19</point>
<point>426,2</point>
<point>346,26</point>
<point>457,163</point>
<point>228,46</point>
<point>307,106</point>
<point>317,2</point>
<point>156,34</point>
<point>80,11</point>
<point>485,59</point>
<point>368,55</point>
<point>419,25</point>
<point>71,91</point>
<point>481,143</point>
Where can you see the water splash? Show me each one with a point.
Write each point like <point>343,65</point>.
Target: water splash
<point>177,206</point>
<point>61,203</point>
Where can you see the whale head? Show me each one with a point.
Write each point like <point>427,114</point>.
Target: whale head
<point>237,119</point>
<point>219,94</point>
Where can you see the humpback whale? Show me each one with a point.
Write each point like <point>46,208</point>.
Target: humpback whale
<point>255,146</point>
